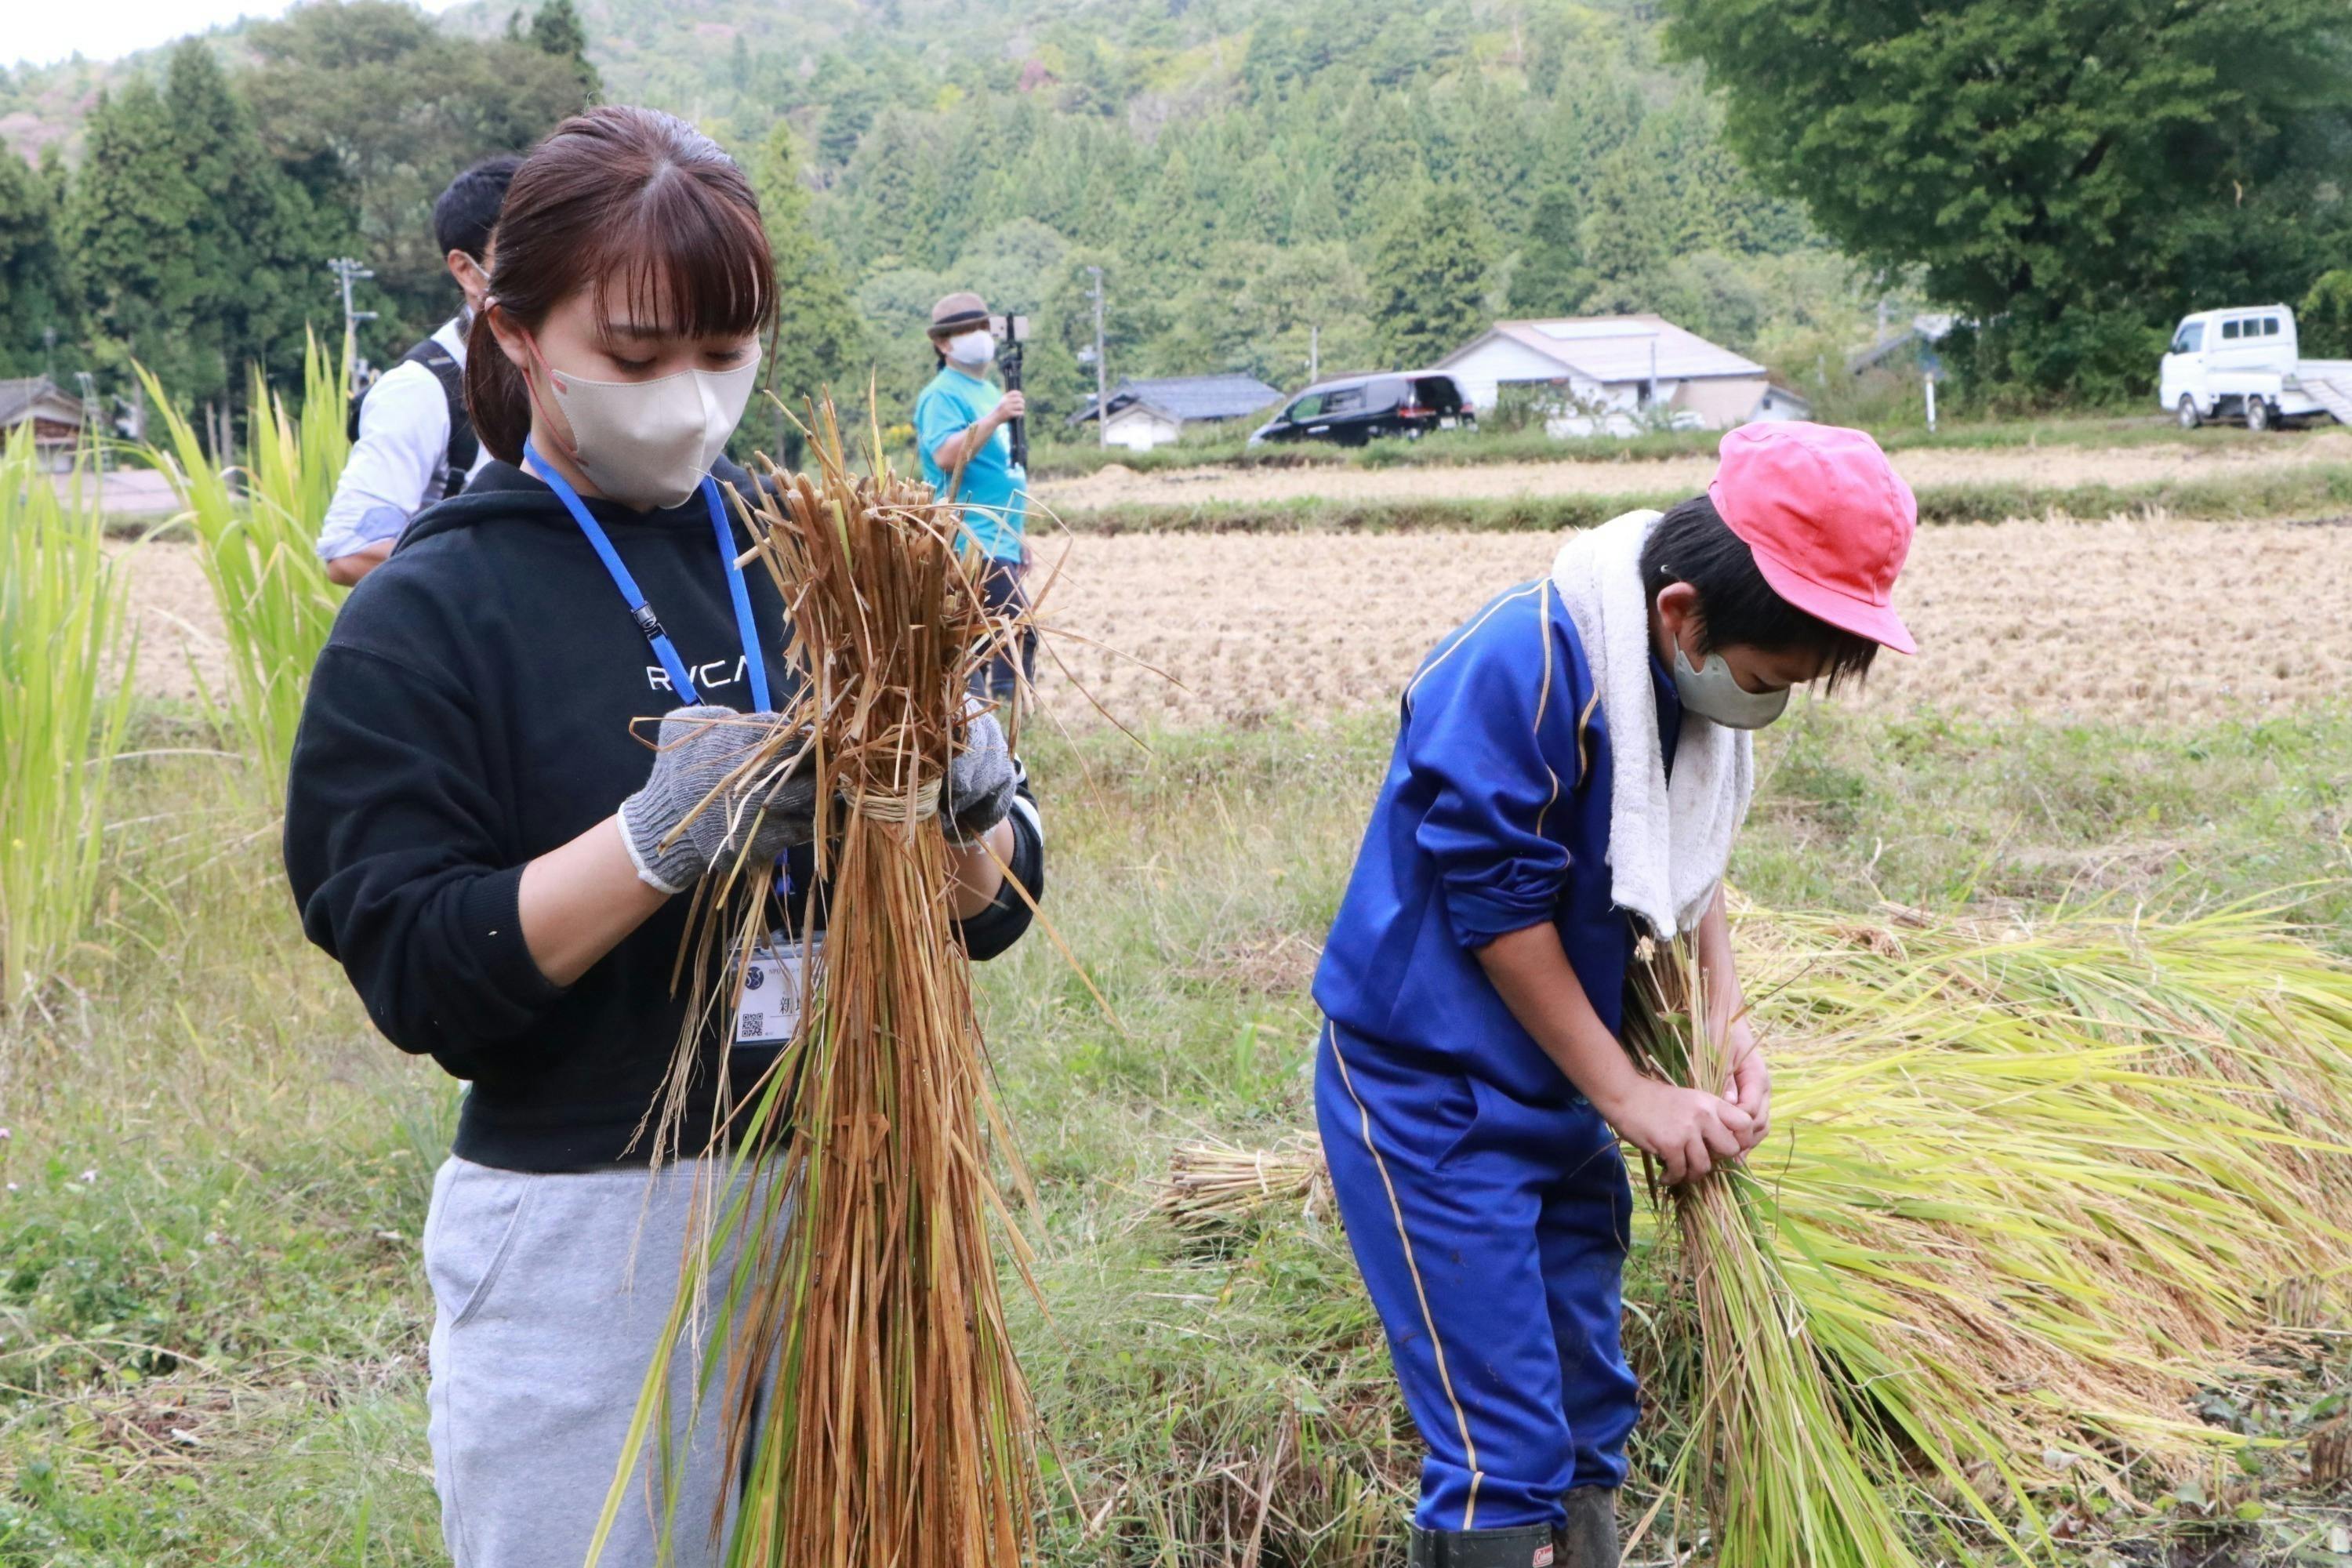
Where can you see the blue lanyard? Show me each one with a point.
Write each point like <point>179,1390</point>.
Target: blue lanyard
<point>643,613</point>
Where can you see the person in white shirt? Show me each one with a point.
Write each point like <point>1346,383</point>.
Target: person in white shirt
<point>413,443</point>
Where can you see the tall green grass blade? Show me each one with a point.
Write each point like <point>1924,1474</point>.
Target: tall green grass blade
<point>255,530</point>
<point>63,636</point>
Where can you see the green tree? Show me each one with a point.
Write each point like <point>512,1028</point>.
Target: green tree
<point>33,285</point>
<point>1631,230</point>
<point>820,341</point>
<point>557,30</point>
<point>2323,321</point>
<point>1550,278</point>
<point>1428,277</point>
<point>2058,167</point>
<point>130,225</point>
<point>258,256</point>
<point>372,112</point>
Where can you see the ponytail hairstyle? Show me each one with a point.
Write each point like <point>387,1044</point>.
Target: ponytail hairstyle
<point>643,209</point>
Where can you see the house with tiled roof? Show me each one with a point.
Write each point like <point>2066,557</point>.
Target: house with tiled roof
<point>1611,371</point>
<point>54,417</point>
<point>1147,413</point>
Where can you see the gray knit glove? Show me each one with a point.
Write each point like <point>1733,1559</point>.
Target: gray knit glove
<point>980,782</point>
<point>697,749</point>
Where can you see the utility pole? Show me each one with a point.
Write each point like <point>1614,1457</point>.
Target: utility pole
<point>347,271</point>
<point>1102,376</point>
<point>92,413</point>
<point>1314,352</point>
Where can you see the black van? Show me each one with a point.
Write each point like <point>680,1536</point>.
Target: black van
<point>1353,409</point>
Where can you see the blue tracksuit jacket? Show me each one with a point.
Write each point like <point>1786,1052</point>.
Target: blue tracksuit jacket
<point>1486,1202</point>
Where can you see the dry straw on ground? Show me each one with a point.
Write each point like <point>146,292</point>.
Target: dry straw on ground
<point>2121,622</point>
<point>2137,622</point>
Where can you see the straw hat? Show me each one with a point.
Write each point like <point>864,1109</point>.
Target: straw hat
<point>959,312</point>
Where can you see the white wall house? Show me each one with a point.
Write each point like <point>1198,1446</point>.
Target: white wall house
<point>1609,371</point>
<point>1139,426</point>
<point>1144,413</point>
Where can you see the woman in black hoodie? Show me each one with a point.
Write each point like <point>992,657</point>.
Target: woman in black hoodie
<point>477,831</point>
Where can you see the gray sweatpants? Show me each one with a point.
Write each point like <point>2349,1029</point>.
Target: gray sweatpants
<point>550,1294</point>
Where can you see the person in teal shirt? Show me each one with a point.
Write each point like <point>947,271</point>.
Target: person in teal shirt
<point>967,454</point>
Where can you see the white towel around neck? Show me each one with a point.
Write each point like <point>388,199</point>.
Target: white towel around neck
<point>1669,842</point>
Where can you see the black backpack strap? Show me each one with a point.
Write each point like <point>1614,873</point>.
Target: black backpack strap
<point>464,447</point>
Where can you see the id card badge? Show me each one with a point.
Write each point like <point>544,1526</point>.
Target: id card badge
<point>775,986</point>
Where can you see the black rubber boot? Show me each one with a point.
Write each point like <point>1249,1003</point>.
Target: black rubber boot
<point>1588,1539</point>
<point>1522,1546</point>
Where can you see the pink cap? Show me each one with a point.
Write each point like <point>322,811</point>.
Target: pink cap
<point>1827,518</point>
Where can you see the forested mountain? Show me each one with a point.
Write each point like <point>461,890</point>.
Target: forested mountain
<point>1256,180</point>
<point>1251,176</point>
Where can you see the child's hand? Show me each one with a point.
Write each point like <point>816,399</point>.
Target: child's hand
<point>1751,1082</point>
<point>1687,1131</point>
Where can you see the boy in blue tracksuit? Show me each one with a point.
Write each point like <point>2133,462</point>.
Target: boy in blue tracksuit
<point>1470,1086</point>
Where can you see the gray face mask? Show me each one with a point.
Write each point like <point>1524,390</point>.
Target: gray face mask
<point>1714,692</point>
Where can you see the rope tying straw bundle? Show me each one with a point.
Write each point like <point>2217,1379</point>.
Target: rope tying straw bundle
<point>890,805</point>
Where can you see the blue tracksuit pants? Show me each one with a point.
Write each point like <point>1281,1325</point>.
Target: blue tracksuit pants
<point>1492,1235</point>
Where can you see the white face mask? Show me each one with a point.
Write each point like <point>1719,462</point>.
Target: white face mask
<point>970,350</point>
<point>1712,691</point>
<point>649,442</point>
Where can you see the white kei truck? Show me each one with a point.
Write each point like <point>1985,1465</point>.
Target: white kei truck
<point>2242,364</point>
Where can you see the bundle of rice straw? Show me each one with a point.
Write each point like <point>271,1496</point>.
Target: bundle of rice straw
<point>856,1264</point>
<point>1789,1467</point>
<point>2030,1185</point>
<point>1211,1182</point>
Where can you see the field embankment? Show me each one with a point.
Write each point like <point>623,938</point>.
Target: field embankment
<point>1927,467</point>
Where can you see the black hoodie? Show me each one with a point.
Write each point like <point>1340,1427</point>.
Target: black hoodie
<point>473,709</point>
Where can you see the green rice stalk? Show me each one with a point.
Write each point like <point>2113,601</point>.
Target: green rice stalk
<point>1788,1472</point>
<point>2064,1162</point>
<point>257,531</point>
<point>63,634</point>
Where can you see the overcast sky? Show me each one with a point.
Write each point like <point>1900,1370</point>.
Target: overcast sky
<point>41,31</point>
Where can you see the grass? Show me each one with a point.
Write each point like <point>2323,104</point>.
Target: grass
<point>2312,491</point>
<point>255,530</point>
<point>1447,449</point>
<point>240,1264</point>
<point>62,634</point>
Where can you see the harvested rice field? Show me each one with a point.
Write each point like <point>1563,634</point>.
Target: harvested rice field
<point>2127,622</point>
<point>1115,485</point>
<point>1970,937</point>
<point>2161,623</point>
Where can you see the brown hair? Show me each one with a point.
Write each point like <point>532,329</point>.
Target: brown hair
<point>630,203</point>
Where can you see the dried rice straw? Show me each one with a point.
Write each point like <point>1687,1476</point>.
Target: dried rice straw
<point>871,1391</point>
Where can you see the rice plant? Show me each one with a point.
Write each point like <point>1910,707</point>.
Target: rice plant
<point>255,530</point>
<point>1785,1459</point>
<point>65,657</point>
<point>856,1266</point>
<point>2028,1184</point>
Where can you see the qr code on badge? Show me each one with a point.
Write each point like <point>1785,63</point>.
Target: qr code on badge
<point>753,1026</point>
